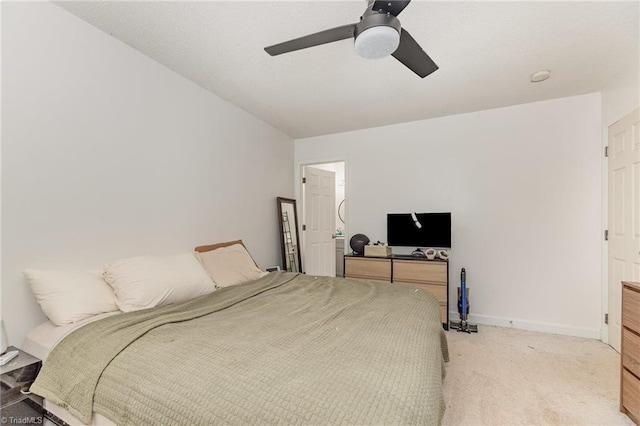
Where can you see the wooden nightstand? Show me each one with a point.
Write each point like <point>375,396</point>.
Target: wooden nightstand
<point>18,404</point>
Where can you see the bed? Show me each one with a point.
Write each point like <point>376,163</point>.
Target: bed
<point>285,348</point>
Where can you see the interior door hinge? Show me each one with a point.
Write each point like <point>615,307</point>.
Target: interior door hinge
<point>606,318</point>
<point>304,180</point>
<point>304,227</point>
<point>606,235</point>
<point>606,151</point>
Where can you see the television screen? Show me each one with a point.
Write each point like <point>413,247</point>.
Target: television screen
<point>403,231</point>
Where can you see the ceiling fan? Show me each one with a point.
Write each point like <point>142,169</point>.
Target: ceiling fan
<point>377,35</point>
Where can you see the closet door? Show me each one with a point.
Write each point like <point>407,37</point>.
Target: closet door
<point>624,214</point>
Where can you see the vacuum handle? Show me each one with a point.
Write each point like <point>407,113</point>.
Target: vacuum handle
<point>463,295</point>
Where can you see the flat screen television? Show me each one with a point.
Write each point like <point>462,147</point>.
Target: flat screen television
<point>435,230</point>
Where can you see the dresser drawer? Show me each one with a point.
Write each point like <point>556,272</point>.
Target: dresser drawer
<point>631,394</point>
<point>413,271</point>
<point>438,290</point>
<point>631,309</point>
<point>631,351</point>
<point>367,268</point>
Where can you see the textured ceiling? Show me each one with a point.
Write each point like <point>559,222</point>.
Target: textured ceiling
<point>486,52</point>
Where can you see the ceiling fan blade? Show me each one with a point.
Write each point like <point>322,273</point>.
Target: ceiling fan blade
<point>413,57</point>
<point>316,39</point>
<point>393,7</point>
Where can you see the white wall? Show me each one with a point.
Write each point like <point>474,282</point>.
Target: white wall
<point>107,154</point>
<point>621,96</point>
<point>523,184</point>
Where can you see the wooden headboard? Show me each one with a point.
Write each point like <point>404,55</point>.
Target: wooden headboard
<point>202,249</point>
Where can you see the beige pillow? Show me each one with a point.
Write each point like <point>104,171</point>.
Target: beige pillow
<point>230,265</point>
<point>70,296</point>
<point>148,281</point>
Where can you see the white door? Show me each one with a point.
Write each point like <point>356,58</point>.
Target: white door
<point>624,214</point>
<point>319,224</point>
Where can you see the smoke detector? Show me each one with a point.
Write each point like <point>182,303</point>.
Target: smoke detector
<point>539,76</point>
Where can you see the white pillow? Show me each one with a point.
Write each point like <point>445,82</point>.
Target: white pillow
<point>230,265</point>
<point>148,281</point>
<point>69,296</point>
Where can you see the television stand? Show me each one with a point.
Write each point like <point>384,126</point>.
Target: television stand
<point>414,271</point>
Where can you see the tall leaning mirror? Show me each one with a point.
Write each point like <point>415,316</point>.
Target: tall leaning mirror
<point>289,240</point>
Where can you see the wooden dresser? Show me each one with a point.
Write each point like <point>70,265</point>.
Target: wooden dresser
<point>432,275</point>
<point>630,354</point>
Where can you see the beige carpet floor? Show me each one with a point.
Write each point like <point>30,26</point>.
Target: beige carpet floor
<point>504,376</point>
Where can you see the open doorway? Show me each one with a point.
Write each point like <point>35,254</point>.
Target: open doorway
<point>324,218</point>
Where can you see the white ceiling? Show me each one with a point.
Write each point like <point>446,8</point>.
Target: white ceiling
<point>486,52</point>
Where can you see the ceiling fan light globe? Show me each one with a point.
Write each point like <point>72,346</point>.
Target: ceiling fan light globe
<point>377,42</point>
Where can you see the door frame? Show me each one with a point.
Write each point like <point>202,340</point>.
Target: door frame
<point>604,277</point>
<point>604,330</point>
<point>297,187</point>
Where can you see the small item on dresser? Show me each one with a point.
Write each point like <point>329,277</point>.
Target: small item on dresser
<point>430,253</point>
<point>418,253</point>
<point>358,242</point>
<point>378,250</point>
<point>443,254</point>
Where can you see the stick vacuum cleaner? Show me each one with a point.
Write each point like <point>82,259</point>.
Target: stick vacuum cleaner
<point>463,307</point>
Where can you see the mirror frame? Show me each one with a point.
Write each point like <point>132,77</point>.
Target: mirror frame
<point>341,207</point>
<point>281,201</point>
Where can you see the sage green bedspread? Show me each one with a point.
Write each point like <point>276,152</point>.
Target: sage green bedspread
<point>286,349</point>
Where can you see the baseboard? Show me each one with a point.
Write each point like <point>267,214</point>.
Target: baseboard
<point>530,325</point>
